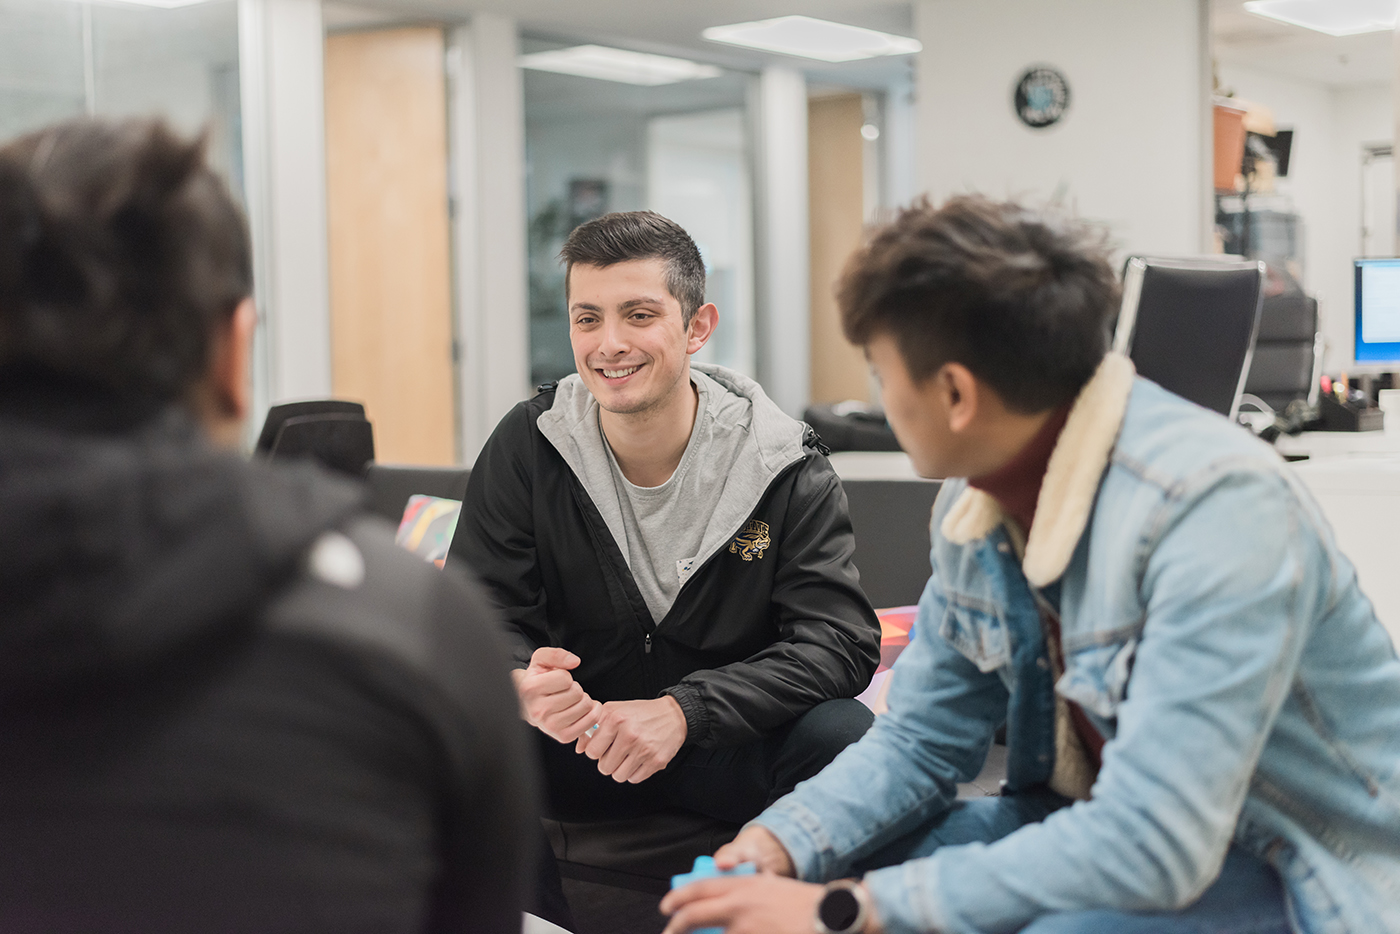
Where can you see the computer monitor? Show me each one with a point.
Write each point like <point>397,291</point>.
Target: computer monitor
<point>1378,312</point>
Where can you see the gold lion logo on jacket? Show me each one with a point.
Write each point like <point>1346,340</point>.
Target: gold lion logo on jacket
<point>752,542</point>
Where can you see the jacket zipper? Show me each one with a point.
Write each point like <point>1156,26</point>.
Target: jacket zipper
<point>576,489</point>
<point>580,497</point>
<point>742,525</point>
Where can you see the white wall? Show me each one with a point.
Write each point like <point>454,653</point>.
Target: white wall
<point>284,144</point>
<point>1324,180</point>
<point>1129,151</point>
<point>1364,114</point>
<point>487,153</point>
<point>782,244</point>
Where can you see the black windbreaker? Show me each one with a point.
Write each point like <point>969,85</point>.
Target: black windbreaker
<point>769,625</point>
<point>229,703</point>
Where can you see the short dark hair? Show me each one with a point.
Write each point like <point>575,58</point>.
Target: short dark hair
<point>121,252</point>
<point>628,235</point>
<point>1022,298</point>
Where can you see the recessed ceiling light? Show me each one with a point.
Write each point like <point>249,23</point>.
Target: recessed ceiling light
<point>1334,17</point>
<point>607,64</point>
<point>813,38</point>
<point>158,4</point>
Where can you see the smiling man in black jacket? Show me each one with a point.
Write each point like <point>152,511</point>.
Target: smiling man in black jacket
<point>672,554</point>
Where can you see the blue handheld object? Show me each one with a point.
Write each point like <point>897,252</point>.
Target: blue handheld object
<point>705,869</point>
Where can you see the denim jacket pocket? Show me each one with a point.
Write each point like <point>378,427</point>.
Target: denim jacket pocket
<point>1096,676</point>
<point>977,634</point>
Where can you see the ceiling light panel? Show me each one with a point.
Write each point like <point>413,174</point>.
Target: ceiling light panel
<point>1334,17</point>
<point>158,4</point>
<point>806,37</point>
<point>608,64</point>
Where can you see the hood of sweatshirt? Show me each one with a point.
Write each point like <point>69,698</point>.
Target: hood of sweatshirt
<point>771,441</point>
<point>119,548</point>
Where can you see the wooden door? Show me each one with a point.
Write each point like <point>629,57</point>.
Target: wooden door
<point>836,208</point>
<point>391,306</point>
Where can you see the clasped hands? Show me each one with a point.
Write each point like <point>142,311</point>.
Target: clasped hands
<point>634,740</point>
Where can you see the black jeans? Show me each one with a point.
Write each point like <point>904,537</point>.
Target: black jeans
<point>730,783</point>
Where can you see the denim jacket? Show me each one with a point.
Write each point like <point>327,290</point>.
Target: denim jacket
<point>1211,630</point>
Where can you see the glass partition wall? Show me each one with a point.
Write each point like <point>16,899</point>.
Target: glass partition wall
<point>63,58</point>
<point>680,148</point>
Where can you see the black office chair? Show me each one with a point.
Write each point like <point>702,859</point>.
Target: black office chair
<point>278,415</point>
<point>332,432</point>
<point>1287,360</point>
<point>848,426</point>
<point>337,441</point>
<point>1189,325</point>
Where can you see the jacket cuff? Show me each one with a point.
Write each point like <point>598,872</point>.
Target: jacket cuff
<point>697,715</point>
<point>907,899</point>
<point>520,649</point>
<point>801,834</point>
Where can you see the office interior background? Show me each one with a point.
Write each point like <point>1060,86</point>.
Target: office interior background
<point>411,167</point>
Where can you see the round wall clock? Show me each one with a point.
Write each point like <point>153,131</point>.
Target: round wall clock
<point>1042,96</point>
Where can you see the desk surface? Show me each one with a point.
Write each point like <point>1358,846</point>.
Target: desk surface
<point>1329,444</point>
<point>873,465</point>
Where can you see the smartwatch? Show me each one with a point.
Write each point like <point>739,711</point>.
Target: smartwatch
<point>844,908</point>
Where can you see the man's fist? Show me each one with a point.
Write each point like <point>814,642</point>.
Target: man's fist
<point>756,845</point>
<point>637,738</point>
<point>550,699</point>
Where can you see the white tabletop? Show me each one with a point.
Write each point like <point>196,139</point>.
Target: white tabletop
<point>873,465</point>
<point>1320,444</point>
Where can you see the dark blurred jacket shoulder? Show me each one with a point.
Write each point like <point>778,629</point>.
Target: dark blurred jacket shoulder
<point>228,702</point>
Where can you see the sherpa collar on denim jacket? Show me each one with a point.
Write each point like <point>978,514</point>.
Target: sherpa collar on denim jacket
<point>1071,479</point>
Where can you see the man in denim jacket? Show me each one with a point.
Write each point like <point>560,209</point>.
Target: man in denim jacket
<point>1202,711</point>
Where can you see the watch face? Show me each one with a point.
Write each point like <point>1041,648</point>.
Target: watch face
<point>1042,97</point>
<point>838,909</point>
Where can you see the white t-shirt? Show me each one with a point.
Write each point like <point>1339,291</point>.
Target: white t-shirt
<point>665,525</point>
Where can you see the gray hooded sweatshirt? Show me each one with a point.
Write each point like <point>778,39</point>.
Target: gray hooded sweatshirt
<point>740,441</point>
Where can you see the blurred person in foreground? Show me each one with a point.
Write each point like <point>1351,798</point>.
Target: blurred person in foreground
<point>1202,711</point>
<point>227,701</point>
